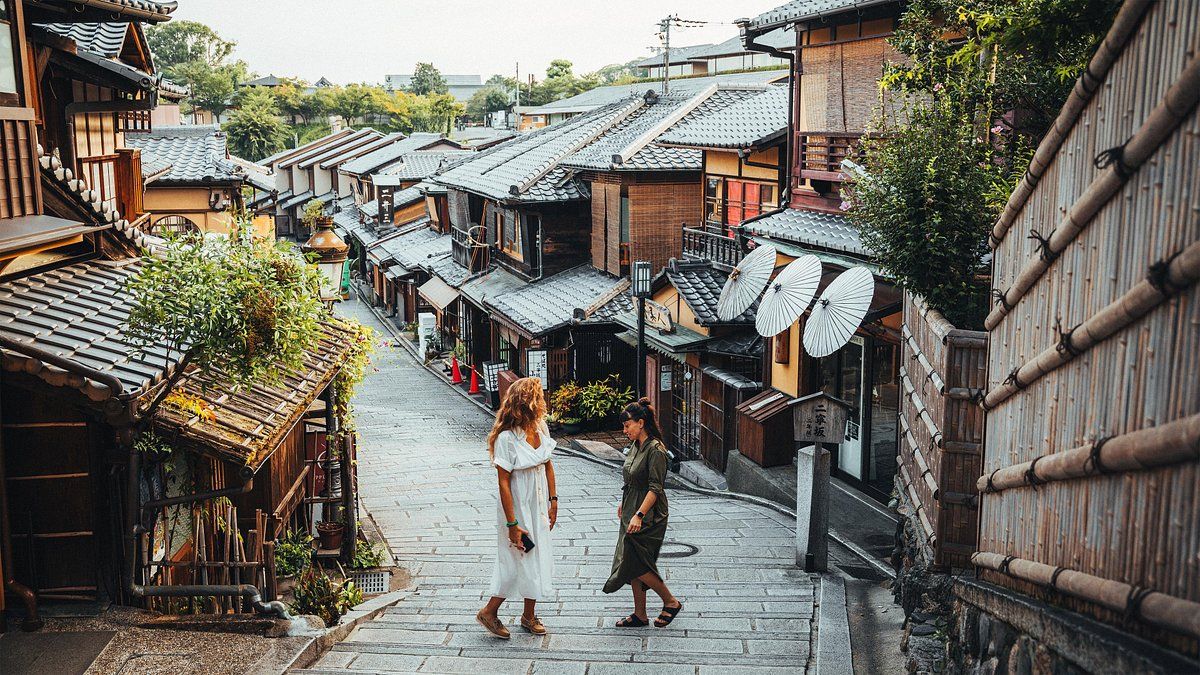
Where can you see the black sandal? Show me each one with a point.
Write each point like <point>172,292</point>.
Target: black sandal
<point>632,621</point>
<point>667,616</point>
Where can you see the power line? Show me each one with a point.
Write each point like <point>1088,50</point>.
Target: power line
<point>664,28</point>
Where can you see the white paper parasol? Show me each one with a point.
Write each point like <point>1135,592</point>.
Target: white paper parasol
<point>788,295</point>
<point>746,282</point>
<point>839,311</point>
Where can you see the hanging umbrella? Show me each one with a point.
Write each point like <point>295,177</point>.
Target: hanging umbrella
<point>839,311</point>
<point>788,295</point>
<point>745,283</point>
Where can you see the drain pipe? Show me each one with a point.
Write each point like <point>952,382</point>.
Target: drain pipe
<point>134,533</point>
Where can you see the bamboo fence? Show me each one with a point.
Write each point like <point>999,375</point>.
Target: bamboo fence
<point>1090,470</point>
<point>941,430</point>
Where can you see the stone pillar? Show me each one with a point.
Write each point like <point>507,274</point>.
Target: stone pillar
<point>812,508</point>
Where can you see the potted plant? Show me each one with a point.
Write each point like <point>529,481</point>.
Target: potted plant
<point>318,594</point>
<point>330,533</point>
<point>571,425</point>
<point>293,555</point>
<point>601,401</point>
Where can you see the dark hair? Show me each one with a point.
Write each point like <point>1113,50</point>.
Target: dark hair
<point>642,410</point>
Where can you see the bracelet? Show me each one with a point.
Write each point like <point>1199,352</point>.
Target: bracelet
<point>511,524</point>
<point>554,499</point>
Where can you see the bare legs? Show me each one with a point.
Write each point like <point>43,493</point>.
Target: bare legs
<point>653,582</point>
<point>639,599</point>
<point>492,608</point>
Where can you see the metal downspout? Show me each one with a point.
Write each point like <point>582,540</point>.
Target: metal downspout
<point>749,42</point>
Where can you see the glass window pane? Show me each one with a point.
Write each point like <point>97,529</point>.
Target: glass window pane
<point>8,70</point>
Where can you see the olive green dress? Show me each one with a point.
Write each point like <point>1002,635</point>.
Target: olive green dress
<point>645,471</point>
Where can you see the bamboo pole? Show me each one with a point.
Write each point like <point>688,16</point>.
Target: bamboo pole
<point>1170,443</point>
<point>926,474</point>
<point>919,408</point>
<point>917,505</point>
<point>1180,273</point>
<point>1123,28</point>
<point>934,376</point>
<point>1175,105</point>
<point>1155,607</point>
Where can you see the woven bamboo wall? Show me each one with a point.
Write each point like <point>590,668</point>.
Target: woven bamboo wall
<point>941,431</point>
<point>1140,528</point>
<point>657,214</point>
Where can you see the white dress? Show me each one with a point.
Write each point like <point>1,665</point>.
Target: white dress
<point>519,574</point>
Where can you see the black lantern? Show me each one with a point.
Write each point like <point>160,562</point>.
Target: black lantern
<point>641,290</point>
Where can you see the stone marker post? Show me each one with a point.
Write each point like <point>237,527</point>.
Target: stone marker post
<point>816,418</point>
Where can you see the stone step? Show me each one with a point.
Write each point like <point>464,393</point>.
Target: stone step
<point>735,629</point>
<point>593,648</point>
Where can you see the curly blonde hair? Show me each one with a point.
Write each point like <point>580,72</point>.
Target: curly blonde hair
<point>523,407</point>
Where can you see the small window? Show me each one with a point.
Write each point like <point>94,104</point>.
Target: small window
<point>624,219</point>
<point>8,59</point>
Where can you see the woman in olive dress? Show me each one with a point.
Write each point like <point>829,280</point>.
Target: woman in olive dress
<point>643,516</point>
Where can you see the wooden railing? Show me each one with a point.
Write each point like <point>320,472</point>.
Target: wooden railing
<point>820,153</point>
<point>712,244</point>
<point>100,173</point>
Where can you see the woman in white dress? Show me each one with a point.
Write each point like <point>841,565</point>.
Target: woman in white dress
<point>526,509</point>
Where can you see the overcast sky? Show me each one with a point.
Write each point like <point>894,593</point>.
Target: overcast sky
<point>363,40</point>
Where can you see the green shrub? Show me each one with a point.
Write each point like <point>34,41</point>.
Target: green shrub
<point>368,556</point>
<point>603,398</point>
<point>564,400</point>
<point>293,553</point>
<point>319,595</point>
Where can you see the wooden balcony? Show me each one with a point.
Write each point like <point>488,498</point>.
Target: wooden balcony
<point>819,154</point>
<point>712,244</point>
<point>472,255</point>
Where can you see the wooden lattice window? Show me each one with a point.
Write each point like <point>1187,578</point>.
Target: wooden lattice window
<point>169,226</point>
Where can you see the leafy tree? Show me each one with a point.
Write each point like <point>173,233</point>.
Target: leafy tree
<point>255,130</point>
<point>560,68</point>
<point>290,97</point>
<point>399,109</point>
<point>212,89</point>
<point>486,100</point>
<point>355,101</point>
<point>435,113</point>
<point>975,107</point>
<point>428,80</point>
<point>182,41</point>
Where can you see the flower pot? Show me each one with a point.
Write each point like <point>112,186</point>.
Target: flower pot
<point>330,535</point>
<point>570,428</point>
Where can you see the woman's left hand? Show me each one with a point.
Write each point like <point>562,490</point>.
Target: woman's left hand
<point>553,513</point>
<point>635,525</point>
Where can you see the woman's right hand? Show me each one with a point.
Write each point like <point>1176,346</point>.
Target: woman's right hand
<point>514,537</point>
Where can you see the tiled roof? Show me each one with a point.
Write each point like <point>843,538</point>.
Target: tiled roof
<point>264,81</point>
<point>145,9</point>
<point>678,55</point>
<point>291,153</point>
<point>744,124</point>
<point>447,270</point>
<point>806,10</point>
<point>196,154</point>
<point>352,144</point>
<point>338,159</point>
<point>422,164</point>
<point>495,282</point>
<point>779,39</point>
<point>79,312</point>
<point>295,200</point>
<point>103,38</point>
<point>413,250</point>
<point>699,285</point>
<point>746,345</point>
<point>546,305</point>
<point>307,153</point>
<point>621,303</point>
<point>811,228</point>
<point>390,153</point>
<point>532,161</point>
<point>601,96</point>
<point>625,136</point>
<point>153,166</point>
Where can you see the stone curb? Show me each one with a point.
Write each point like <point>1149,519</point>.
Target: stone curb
<point>833,655</point>
<point>319,644</point>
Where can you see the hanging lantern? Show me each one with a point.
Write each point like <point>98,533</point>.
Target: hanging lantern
<point>329,253</point>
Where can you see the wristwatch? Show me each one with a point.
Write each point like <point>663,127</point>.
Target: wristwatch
<point>554,499</point>
<point>640,514</point>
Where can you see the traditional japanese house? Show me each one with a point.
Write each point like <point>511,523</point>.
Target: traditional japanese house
<point>83,512</point>
<point>302,179</point>
<point>840,51</point>
<point>289,197</point>
<point>427,150</point>
<point>1088,535</point>
<point>191,181</point>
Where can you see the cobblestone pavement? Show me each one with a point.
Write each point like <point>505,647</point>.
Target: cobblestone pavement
<point>425,478</point>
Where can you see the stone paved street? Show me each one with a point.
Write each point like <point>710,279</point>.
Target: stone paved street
<point>426,480</point>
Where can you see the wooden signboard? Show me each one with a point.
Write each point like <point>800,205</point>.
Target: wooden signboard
<point>387,209</point>
<point>659,317</point>
<point>537,365</point>
<point>819,418</point>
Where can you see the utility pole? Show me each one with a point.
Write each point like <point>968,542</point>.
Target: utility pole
<point>518,84</point>
<point>664,31</point>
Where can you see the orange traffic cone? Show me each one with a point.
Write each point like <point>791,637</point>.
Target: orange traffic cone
<point>474,382</point>
<point>455,373</point>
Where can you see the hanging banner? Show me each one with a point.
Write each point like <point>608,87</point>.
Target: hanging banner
<point>536,359</point>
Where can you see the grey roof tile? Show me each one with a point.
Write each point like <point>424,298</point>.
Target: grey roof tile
<point>806,10</point>
<point>812,228</point>
<point>412,251</point>
<point>601,96</point>
<point>103,38</point>
<point>422,164</point>
<point>447,270</point>
<point>390,153</point>
<point>699,285</point>
<point>678,55</point>
<point>743,124</point>
<point>196,154</point>
<point>549,304</point>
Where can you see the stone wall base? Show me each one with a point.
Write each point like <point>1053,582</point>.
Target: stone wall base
<point>996,630</point>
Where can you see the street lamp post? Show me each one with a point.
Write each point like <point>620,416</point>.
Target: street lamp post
<point>329,252</point>
<point>641,290</point>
